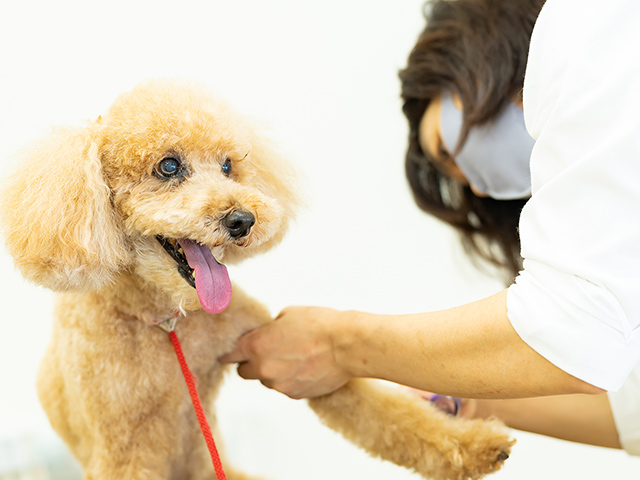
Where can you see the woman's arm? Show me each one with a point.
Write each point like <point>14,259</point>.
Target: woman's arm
<point>577,418</point>
<point>469,351</point>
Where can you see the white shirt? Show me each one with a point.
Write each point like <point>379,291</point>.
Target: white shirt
<point>625,407</point>
<point>577,301</point>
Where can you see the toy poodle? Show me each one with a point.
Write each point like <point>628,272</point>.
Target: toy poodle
<point>130,218</point>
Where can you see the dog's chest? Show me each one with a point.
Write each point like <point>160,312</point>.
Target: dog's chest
<point>121,347</point>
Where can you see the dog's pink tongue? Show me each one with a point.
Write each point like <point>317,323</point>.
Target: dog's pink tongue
<point>212,280</point>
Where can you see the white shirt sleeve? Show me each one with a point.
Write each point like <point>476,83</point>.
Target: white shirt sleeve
<point>577,301</point>
<point>624,407</point>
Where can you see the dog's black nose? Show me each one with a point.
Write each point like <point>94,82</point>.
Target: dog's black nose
<point>239,223</point>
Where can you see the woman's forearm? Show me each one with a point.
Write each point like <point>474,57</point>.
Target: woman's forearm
<point>577,418</point>
<point>469,351</point>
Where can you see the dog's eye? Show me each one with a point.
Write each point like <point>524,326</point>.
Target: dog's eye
<point>226,167</point>
<point>169,167</point>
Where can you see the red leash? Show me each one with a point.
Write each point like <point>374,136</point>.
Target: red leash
<point>197,406</point>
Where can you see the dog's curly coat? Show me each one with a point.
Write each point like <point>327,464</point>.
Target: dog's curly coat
<point>87,214</point>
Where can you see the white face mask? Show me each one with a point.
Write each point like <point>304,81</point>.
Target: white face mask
<point>495,156</point>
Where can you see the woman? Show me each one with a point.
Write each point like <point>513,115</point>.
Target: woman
<point>466,44</point>
<point>571,322</point>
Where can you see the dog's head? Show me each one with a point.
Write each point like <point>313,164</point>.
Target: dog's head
<point>167,184</point>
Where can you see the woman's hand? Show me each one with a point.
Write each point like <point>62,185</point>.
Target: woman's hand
<point>295,354</point>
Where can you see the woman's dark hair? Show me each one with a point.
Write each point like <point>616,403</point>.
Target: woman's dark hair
<point>478,50</point>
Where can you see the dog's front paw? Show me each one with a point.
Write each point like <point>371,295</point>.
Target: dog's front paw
<point>406,430</point>
<point>470,449</point>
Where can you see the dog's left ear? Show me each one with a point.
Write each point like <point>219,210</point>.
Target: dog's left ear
<point>56,214</point>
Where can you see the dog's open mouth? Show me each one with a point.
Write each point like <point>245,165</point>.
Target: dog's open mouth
<point>200,269</point>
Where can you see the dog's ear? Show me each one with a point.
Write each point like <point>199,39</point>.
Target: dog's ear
<point>56,214</point>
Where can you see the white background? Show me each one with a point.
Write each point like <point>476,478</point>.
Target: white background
<point>323,75</point>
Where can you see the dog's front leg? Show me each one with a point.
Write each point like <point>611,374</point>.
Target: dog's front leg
<point>404,429</point>
<point>244,313</point>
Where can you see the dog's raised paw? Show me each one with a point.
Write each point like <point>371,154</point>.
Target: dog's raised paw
<point>481,448</point>
<point>412,433</point>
